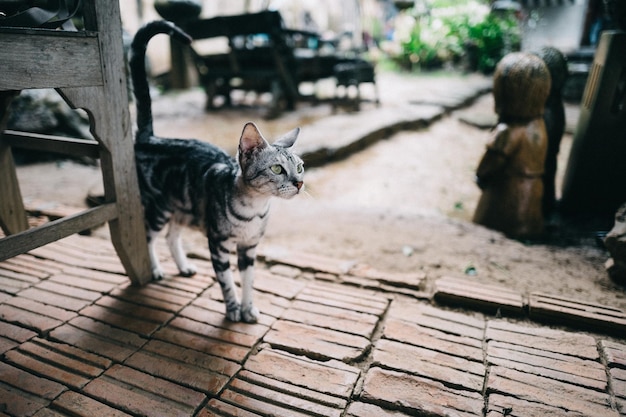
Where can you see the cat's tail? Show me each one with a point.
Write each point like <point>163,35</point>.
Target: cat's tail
<point>138,71</point>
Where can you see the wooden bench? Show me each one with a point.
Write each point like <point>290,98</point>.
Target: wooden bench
<point>263,56</point>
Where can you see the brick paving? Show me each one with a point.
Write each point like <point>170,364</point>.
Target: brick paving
<point>333,339</point>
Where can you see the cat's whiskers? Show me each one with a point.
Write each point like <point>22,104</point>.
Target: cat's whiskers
<point>308,194</point>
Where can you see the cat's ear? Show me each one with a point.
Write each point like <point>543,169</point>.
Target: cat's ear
<point>288,139</point>
<point>251,139</point>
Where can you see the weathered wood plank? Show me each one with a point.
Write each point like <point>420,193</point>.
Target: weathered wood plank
<point>33,238</point>
<point>48,143</point>
<point>45,60</point>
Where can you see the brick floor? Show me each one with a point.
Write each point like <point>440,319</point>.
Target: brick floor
<point>333,339</point>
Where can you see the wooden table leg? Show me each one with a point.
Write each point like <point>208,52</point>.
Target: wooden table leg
<point>12,214</point>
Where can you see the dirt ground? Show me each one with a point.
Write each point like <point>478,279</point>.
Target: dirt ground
<point>404,204</point>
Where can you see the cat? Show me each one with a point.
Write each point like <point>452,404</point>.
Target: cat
<point>185,182</point>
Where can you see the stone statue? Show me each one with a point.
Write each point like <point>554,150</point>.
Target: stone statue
<point>511,170</point>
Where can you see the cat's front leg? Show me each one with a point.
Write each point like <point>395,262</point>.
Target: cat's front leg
<point>245,263</point>
<point>221,266</point>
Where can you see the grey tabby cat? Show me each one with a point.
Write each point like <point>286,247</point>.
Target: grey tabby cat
<point>195,184</point>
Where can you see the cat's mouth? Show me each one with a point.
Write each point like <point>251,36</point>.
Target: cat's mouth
<point>290,192</point>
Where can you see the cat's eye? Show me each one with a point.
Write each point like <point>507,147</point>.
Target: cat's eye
<point>276,169</point>
<point>300,168</point>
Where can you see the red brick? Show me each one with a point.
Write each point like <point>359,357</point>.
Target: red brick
<point>134,310</point>
<point>35,365</point>
<point>79,405</point>
<point>6,344</point>
<point>577,313</point>
<point>58,366</point>
<point>94,362</point>
<point>306,261</point>
<point>618,382</point>
<point>217,333</point>
<point>293,390</point>
<point>28,319</point>
<point>98,338</point>
<point>349,301</point>
<point>418,396</point>
<point>216,407</point>
<point>414,334</point>
<point>315,342</point>
<point>348,321</point>
<point>75,257</point>
<point>93,275</point>
<point>489,298</point>
<point>244,394</point>
<point>542,390</point>
<point>278,285</point>
<point>183,366</point>
<point>459,324</point>
<point>19,334</point>
<point>19,403</point>
<point>69,290</point>
<point>152,295</point>
<point>358,409</point>
<point>398,280</point>
<point>139,393</point>
<point>24,272</point>
<point>27,382</point>
<point>13,283</point>
<point>557,366</point>
<point>40,268</point>
<point>203,344</point>
<point>85,283</point>
<point>330,377</point>
<point>451,370</point>
<point>120,320</point>
<point>285,271</point>
<point>615,353</point>
<point>17,275</point>
<point>550,340</point>
<point>66,302</point>
<point>500,405</point>
<point>193,285</point>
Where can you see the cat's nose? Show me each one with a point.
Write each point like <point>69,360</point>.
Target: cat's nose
<point>298,184</point>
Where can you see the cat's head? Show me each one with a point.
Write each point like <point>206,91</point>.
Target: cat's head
<point>271,169</point>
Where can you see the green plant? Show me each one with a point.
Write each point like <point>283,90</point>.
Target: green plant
<point>481,39</point>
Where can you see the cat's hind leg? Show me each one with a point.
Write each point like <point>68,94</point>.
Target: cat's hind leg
<point>245,262</point>
<point>157,270</point>
<point>175,243</point>
<point>221,265</point>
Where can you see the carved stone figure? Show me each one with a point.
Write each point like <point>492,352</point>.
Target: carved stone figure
<point>510,172</point>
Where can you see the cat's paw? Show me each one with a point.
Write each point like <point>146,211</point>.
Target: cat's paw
<point>234,314</point>
<point>250,315</point>
<point>188,270</point>
<point>157,274</point>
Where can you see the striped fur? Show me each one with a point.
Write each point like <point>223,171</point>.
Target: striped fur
<point>188,183</point>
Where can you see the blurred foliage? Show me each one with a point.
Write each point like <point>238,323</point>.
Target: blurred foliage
<point>460,36</point>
